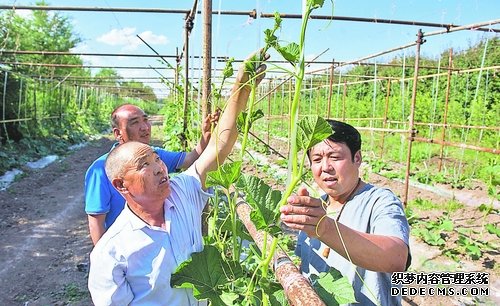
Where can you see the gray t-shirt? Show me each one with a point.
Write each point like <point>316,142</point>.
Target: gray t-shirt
<point>372,210</point>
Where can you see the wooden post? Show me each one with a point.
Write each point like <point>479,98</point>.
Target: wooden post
<point>206,105</point>
<point>445,115</point>
<point>297,288</point>
<point>411,129</point>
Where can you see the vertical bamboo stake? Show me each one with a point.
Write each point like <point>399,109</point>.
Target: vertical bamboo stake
<point>411,130</point>
<point>20,98</point>
<point>445,115</point>
<point>4,97</point>
<point>34,103</point>
<point>330,92</point>
<point>59,100</point>
<point>206,106</point>
<point>186,82</point>
<point>43,104</point>
<point>289,103</point>
<point>268,111</point>
<point>384,123</point>
<point>343,100</point>
<point>176,75</point>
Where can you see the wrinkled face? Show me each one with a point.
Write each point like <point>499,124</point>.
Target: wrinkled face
<point>333,168</point>
<point>146,176</point>
<point>133,126</point>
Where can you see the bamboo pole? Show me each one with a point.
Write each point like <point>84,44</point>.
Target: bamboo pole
<point>297,289</point>
<point>445,115</point>
<point>473,26</point>
<point>4,97</point>
<point>176,75</point>
<point>64,53</point>
<point>457,145</point>
<point>460,28</point>
<point>251,13</point>
<point>267,145</point>
<point>343,101</point>
<point>384,123</point>
<point>187,30</point>
<point>268,112</point>
<point>206,105</point>
<point>396,79</point>
<point>411,130</point>
<point>461,126</point>
<point>330,92</point>
<point>448,26</point>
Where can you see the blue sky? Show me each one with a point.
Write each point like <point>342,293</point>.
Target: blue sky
<point>237,36</point>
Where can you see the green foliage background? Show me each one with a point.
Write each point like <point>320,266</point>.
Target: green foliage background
<point>44,111</point>
<point>53,113</point>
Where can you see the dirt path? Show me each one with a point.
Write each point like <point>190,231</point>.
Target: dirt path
<point>44,235</point>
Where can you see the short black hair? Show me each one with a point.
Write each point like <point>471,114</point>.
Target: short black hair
<point>345,133</point>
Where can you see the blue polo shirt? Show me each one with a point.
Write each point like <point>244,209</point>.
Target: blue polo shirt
<point>102,198</point>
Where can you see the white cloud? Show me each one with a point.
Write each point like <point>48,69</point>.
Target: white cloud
<point>118,37</point>
<point>154,39</point>
<point>127,38</point>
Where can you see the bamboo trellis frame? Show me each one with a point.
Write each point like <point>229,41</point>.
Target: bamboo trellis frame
<point>344,85</point>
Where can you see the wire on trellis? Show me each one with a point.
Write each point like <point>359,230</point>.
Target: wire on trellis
<point>403,118</point>
<point>483,122</point>
<point>337,110</point>
<point>374,102</point>
<point>434,95</point>
<point>471,107</point>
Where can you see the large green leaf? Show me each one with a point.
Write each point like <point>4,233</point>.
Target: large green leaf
<point>278,298</point>
<point>251,64</point>
<point>208,274</point>
<point>277,20</point>
<point>264,201</point>
<point>290,52</point>
<point>270,39</point>
<point>228,69</point>
<point>312,130</point>
<point>493,229</point>
<point>333,288</point>
<point>240,122</point>
<point>274,292</point>
<point>225,175</point>
<point>315,3</point>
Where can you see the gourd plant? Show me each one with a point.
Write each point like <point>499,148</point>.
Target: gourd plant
<point>237,275</point>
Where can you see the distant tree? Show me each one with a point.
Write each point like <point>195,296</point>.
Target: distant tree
<point>138,90</point>
<point>107,76</point>
<point>41,31</point>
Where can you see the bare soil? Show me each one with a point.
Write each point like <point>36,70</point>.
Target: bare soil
<point>44,233</point>
<point>44,236</point>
